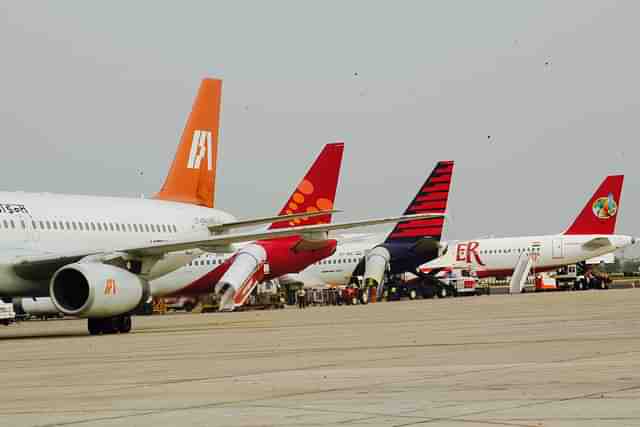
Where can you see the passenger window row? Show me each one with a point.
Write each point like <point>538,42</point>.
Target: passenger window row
<point>209,261</point>
<point>48,225</point>
<point>508,251</point>
<point>338,261</point>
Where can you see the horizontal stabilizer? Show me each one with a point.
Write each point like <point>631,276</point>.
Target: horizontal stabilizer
<point>447,260</point>
<point>597,243</point>
<point>426,245</point>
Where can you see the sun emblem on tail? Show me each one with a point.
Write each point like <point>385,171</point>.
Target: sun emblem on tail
<point>605,207</point>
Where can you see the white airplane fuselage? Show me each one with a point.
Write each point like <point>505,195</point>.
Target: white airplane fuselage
<point>488,257</point>
<point>43,223</point>
<point>499,256</point>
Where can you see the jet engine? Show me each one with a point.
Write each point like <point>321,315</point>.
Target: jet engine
<point>376,263</point>
<point>39,307</point>
<point>246,270</point>
<point>96,290</point>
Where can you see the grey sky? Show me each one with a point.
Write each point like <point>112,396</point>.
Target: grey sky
<point>93,92</point>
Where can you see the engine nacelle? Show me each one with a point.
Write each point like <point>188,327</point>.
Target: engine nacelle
<point>376,263</point>
<point>96,290</point>
<point>246,270</point>
<point>39,306</point>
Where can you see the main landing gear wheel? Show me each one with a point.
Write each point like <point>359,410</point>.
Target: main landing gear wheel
<point>428,292</point>
<point>110,325</point>
<point>125,323</point>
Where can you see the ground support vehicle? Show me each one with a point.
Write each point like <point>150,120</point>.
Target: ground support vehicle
<point>7,314</point>
<point>180,303</point>
<point>580,277</point>
<point>441,284</point>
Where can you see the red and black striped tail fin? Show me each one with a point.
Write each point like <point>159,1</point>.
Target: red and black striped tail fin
<point>431,198</point>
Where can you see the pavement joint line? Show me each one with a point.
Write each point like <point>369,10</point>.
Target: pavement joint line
<point>524,405</point>
<point>418,380</point>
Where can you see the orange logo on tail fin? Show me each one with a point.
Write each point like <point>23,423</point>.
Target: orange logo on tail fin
<point>191,178</point>
<point>110,287</point>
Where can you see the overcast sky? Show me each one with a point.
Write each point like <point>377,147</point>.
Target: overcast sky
<point>536,101</point>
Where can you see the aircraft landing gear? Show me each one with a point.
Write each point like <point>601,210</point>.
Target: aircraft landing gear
<point>110,325</point>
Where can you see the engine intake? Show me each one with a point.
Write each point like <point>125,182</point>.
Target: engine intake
<point>376,263</point>
<point>96,290</point>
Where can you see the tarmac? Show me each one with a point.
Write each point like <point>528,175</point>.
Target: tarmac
<point>555,359</point>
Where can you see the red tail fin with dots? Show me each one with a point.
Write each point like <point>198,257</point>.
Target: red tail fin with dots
<point>432,197</point>
<point>601,212</point>
<point>317,190</point>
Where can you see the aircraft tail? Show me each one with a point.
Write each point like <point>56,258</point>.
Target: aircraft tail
<point>317,190</point>
<point>191,178</point>
<point>432,197</point>
<point>600,214</point>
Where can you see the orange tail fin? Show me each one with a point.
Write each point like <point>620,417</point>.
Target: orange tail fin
<point>191,178</point>
<point>317,190</point>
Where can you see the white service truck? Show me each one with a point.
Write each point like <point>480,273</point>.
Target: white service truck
<point>7,314</point>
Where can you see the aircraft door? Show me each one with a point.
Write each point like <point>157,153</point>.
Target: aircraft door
<point>557,248</point>
<point>25,225</point>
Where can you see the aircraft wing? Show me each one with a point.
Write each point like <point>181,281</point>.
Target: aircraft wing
<point>308,232</point>
<point>41,266</point>
<point>219,228</point>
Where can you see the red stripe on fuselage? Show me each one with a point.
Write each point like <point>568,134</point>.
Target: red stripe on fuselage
<point>508,272</point>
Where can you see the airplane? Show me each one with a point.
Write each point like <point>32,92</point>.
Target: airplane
<point>234,276</point>
<point>94,256</point>
<point>409,245</point>
<point>590,235</point>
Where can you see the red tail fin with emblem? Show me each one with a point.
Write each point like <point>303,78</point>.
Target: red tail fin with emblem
<point>317,190</point>
<point>601,212</point>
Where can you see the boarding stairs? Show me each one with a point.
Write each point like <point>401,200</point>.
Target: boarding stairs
<point>520,273</point>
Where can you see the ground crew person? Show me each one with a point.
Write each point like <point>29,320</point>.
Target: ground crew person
<point>302,303</point>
